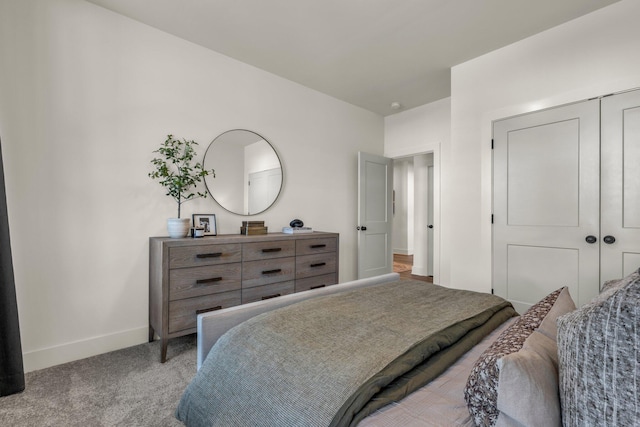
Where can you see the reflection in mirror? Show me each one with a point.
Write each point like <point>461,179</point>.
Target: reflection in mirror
<point>248,173</point>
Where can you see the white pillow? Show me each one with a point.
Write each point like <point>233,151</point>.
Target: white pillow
<point>528,385</point>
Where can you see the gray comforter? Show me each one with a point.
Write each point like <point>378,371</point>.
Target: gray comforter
<point>330,361</point>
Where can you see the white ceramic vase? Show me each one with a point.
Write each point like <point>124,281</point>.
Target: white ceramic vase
<point>178,227</point>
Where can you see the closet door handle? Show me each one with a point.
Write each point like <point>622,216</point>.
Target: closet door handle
<point>609,240</point>
<point>591,239</point>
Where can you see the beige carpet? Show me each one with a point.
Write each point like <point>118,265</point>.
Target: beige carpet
<point>128,387</point>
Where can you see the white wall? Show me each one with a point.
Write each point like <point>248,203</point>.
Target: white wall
<point>590,56</point>
<point>417,130</point>
<point>86,95</point>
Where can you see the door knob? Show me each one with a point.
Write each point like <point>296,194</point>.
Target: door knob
<point>609,239</point>
<point>363,228</point>
<point>430,226</point>
<point>591,239</point>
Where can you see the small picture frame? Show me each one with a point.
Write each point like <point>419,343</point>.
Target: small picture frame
<point>208,221</point>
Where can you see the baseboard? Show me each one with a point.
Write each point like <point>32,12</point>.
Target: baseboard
<point>47,357</point>
<point>403,251</point>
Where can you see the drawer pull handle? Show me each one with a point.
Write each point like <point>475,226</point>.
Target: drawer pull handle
<point>211,255</point>
<point>206,310</point>
<point>205,281</point>
<point>270,296</point>
<point>318,286</point>
<point>277,270</point>
<point>272,250</point>
<point>320,264</point>
<point>318,246</point>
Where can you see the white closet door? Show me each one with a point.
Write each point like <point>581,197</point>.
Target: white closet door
<point>546,202</point>
<point>620,212</point>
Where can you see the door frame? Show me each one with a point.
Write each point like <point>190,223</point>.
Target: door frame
<point>432,148</point>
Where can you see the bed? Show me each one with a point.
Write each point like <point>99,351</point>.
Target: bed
<point>476,364</point>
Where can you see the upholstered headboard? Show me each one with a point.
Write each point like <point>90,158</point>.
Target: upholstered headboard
<point>213,325</point>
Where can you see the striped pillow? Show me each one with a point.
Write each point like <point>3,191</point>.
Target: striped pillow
<point>599,358</point>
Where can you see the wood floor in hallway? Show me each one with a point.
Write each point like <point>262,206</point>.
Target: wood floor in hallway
<point>402,265</point>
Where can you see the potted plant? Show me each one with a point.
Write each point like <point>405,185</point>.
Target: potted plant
<point>177,172</point>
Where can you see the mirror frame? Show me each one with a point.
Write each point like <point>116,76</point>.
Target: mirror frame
<point>275,199</point>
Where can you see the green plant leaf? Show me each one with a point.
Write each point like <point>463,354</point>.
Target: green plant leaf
<point>174,169</point>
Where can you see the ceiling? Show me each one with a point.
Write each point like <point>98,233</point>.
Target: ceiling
<point>369,53</point>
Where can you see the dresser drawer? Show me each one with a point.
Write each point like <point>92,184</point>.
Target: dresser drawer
<point>316,282</point>
<point>256,273</point>
<point>314,246</point>
<point>268,250</point>
<point>208,279</point>
<point>182,313</point>
<point>192,256</point>
<point>259,293</point>
<point>315,265</point>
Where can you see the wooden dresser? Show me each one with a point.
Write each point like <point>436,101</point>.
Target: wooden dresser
<point>191,276</point>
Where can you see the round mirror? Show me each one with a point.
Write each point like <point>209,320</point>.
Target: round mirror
<point>248,172</point>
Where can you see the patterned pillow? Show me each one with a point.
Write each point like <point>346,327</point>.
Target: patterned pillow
<point>481,391</point>
<point>599,358</point>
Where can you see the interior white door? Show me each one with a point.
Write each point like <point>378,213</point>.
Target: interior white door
<point>546,203</point>
<point>620,212</point>
<point>421,206</point>
<point>375,185</point>
<point>430,218</point>
<point>263,189</point>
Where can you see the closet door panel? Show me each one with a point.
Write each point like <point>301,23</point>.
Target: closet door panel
<point>620,210</point>
<point>545,203</point>
<point>561,267</point>
<point>630,166</point>
<point>630,262</point>
<point>532,168</point>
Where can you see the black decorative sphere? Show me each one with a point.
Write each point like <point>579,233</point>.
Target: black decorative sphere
<point>296,223</point>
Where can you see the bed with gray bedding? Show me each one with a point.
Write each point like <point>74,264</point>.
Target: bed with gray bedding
<point>553,365</point>
<point>334,359</point>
